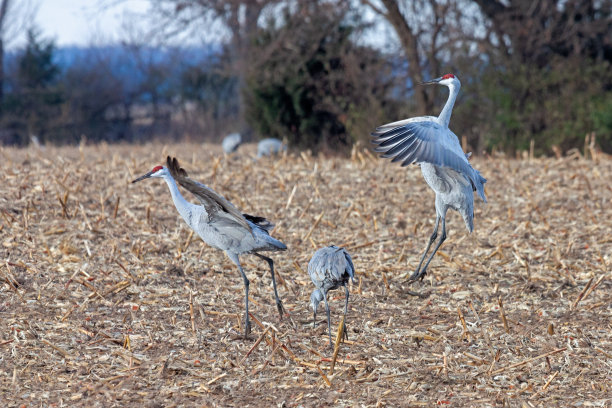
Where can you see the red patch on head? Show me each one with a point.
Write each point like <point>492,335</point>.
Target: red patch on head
<point>156,168</point>
<point>448,76</point>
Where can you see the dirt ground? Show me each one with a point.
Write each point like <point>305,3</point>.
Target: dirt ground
<point>106,299</point>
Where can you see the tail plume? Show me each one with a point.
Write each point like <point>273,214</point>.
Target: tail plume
<point>176,171</point>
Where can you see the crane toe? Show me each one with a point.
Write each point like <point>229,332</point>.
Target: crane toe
<point>418,275</point>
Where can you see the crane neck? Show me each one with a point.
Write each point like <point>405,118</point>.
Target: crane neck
<point>453,91</point>
<point>183,206</point>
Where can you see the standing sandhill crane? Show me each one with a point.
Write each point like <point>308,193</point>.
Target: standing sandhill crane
<point>428,141</point>
<point>270,146</point>
<point>231,142</point>
<point>221,225</point>
<point>329,268</point>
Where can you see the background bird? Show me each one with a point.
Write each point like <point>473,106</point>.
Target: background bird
<point>221,225</point>
<point>231,142</point>
<point>329,268</point>
<point>270,146</point>
<point>428,141</point>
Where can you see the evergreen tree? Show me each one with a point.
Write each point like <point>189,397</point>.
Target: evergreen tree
<point>33,104</point>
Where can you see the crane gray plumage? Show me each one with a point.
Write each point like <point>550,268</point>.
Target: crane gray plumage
<point>329,268</point>
<point>270,146</point>
<point>219,223</point>
<point>231,142</point>
<point>428,141</point>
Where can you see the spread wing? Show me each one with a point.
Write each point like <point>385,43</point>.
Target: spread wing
<point>215,204</point>
<point>423,141</point>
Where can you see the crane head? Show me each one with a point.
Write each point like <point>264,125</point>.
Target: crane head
<point>158,171</point>
<point>315,299</point>
<point>448,79</point>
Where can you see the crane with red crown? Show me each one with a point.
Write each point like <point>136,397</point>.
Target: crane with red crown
<point>221,225</point>
<point>427,141</point>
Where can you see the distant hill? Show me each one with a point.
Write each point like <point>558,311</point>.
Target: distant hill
<point>127,63</point>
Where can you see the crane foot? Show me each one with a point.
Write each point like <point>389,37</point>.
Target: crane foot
<point>281,309</point>
<point>417,294</point>
<point>418,275</point>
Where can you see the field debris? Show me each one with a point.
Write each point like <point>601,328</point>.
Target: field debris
<point>108,299</point>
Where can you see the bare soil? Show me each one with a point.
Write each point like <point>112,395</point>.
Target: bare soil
<point>107,299</point>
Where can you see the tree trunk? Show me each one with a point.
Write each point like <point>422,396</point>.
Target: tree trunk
<point>1,75</point>
<point>410,46</point>
<point>3,10</point>
<point>242,35</point>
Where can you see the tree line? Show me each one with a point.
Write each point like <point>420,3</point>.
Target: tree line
<point>322,74</point>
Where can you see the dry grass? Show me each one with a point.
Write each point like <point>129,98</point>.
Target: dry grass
<point>108,300</point>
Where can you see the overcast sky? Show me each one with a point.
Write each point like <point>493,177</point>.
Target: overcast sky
<point>99,22</point>
<point>83,22</point>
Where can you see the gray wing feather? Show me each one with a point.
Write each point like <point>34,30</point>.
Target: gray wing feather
<point>350,268</point>
<point>213,202</point>
<point>425,141</point>
<point>331,264</point>
<point>419,142</point>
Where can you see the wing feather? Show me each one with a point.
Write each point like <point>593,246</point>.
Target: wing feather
<point>261,222</point>
<point>212,201</point>
<point>423,140</point>
<point>350,268</point>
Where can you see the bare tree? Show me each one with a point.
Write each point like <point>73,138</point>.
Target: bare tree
<point>554,57</point>
<point>238,18</point>
<point>3,11</point>
<point>13,21</point>
<point>429,32</point>
<point>531,32</point>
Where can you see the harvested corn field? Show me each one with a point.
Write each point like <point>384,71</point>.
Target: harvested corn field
<point>108,299</point>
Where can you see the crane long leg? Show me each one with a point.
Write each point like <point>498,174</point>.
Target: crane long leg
<point>279,304</point>
<point>346,290</point>
<point>328,319</point>
<point>418,273</point>
<point>247,323</point>
<point>442,238</point>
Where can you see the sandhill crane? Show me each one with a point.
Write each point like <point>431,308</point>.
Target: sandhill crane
<point>270,146</point>
<point>231,142</point>
<point>329,268</point>
<point>428,141</point>
<point>221,225</point>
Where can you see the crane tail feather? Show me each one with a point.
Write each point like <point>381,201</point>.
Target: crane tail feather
<point>175,169</point>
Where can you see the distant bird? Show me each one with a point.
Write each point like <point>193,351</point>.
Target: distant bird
<point>35,141</point>
<point>231,142</point>
<point>270,146</point>
<point>428,141</point>
<point>329,268</point>
<point>221,225</point>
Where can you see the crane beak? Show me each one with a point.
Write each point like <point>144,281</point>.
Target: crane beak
<point>431,81</point>
<point>146,176</point>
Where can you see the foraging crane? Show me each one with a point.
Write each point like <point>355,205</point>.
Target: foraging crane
<point>428,141</point>
<point>221,225</point>
<point>270,146</point>
<point>329,268</point>
<point>231,142</point>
